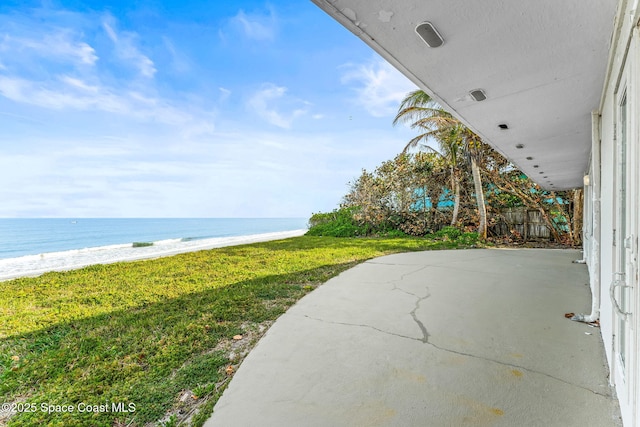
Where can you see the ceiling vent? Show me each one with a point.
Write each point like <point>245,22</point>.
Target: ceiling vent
<point>429,34</point>
<point>479,95</point>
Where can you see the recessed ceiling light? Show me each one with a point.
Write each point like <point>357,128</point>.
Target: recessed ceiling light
<point>429,34</point>
<point>529,158</point>
<point>545,176</point>
<point>536,166</point>
<point>503,126</point>
<point>519,146</point>
<point>478,95</point>
<point>541,173</point>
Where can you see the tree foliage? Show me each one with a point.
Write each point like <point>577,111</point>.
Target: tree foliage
<point>456,142</point>
<point>401,194</point>
<point>447,178</point>
<point>512,188</point>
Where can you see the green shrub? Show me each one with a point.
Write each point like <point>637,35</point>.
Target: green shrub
<point>396,233</point>
<point>339,223</point>
<point>469,238</point>
<point>448,233</point>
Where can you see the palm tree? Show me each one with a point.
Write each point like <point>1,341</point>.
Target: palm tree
<point>450,150</point>
<point>455,141</point>
<point>473,151</point>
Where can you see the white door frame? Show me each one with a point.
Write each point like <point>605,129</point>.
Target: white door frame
<point>623,290</point>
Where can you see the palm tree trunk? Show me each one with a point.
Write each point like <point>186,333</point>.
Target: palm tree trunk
<point>482,209</point>
<point>578,204</point>
<point>455,183</point>
<point>425,223</point>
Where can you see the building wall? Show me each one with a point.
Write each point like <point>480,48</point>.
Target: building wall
<point>609,244</point>
<point>606,226</point>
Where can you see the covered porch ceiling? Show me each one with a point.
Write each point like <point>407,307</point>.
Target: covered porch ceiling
<point>540,63</point>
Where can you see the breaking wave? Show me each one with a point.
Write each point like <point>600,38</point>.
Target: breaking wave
<point>34,265</point>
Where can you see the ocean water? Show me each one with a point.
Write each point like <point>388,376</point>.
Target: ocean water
<point>19,237</point>
<point>33,246</point>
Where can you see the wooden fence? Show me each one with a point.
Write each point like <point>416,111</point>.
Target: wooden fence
<point>528,223</point>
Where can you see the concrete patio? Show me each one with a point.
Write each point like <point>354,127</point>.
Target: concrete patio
<point>441,338</point>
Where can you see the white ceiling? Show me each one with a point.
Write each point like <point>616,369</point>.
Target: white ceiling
<point>541,64</point>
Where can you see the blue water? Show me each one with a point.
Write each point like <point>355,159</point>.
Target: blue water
<point>19,237</point>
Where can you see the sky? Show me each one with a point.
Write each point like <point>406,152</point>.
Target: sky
<point>187,109</point>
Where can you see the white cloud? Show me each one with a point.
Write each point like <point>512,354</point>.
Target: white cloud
<point>126,49</point>
<point>52,66</point>
<point>55,68</point>
<point>28,92</point>
<point>224,94</point>
<point>198,129</point>
<point>179,62</point>
<point>60,45</point>
<point>256,26</point>
<point>264,103</point>
<point>88,132</point>
<point>71,93</point>
<point>379,86</point>
<point>151,172</point>
<point>79,84</point>
<point>75,95</point>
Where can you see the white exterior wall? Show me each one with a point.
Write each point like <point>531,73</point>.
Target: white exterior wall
<point>606,228</point>
<point>623,75</point>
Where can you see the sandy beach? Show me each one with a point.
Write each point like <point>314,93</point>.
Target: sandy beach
<point>35,265</point>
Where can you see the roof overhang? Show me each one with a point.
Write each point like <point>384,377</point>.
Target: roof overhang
<point>540,63</point>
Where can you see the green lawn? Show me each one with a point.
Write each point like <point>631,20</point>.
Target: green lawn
<point>155,334</point>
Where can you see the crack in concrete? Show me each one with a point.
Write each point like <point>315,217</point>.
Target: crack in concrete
<point>362,326</point>
<point>419,299</point>
<point>510,365</point>
<point>425,333</point>
<point>423,328</point>
<point>424,340</point>
<point>396,264</point>
<point>379,261</point>
<point>458,266</point>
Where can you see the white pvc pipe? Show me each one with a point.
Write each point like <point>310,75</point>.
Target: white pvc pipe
<point>594,266</point>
